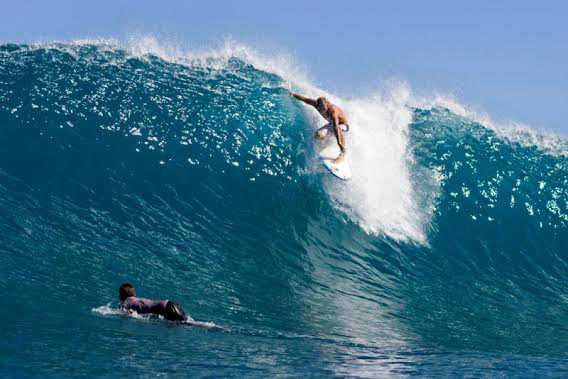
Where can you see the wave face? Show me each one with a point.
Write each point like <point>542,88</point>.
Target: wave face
<point>196,179</point>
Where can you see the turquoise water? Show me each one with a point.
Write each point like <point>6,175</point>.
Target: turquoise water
<point>196,179</point>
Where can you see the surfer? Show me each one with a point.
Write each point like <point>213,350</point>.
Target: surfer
<point>336,118</point>
<point>168,309</point>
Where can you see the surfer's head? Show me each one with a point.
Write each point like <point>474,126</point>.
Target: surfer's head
<point>322,103</point>
<point>125,291</point>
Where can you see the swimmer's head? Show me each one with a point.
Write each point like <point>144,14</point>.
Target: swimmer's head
<point>125,291</point>
<point>322,103</point>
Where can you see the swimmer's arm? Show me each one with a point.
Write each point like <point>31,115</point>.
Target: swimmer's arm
<point>306,100</point>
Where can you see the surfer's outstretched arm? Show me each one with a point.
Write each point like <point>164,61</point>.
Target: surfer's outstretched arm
<point>306,100</point>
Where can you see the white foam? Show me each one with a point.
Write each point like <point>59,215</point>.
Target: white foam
<point>280,62</point>
<point>380,197</point>
<point>107,310</point>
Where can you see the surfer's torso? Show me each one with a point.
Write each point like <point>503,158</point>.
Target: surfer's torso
<point>142,306</point>
<point>331,111</point>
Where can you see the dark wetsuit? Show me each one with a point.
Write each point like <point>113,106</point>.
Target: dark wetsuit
<point>141,305</point>
<point>165,308</point>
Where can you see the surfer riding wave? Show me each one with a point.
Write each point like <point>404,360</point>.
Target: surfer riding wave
<point>336,118</point>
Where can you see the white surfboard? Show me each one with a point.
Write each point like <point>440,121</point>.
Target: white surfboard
<point>340,170</point>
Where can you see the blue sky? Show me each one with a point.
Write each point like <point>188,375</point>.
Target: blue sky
<point>508,58</point>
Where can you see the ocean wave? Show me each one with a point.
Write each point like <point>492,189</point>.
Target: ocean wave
<point>196,169</point>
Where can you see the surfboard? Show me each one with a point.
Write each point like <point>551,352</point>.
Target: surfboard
<point>341,170</point>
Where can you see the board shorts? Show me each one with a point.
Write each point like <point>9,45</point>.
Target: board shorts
<point>329,129</point>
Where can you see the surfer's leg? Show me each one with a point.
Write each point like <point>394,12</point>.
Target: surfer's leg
<point>341,140</point>
<point>174,312</point>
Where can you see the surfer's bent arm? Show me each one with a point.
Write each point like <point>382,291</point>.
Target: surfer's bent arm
<point>306,100</point>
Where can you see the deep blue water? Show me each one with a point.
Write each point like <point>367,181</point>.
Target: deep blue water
<point>196,180</point>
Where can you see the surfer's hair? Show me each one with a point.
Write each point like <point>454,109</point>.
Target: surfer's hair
<point>125,291</point>
<point>322,101</point>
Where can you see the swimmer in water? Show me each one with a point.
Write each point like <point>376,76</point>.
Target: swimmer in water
<point>168,309</point>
